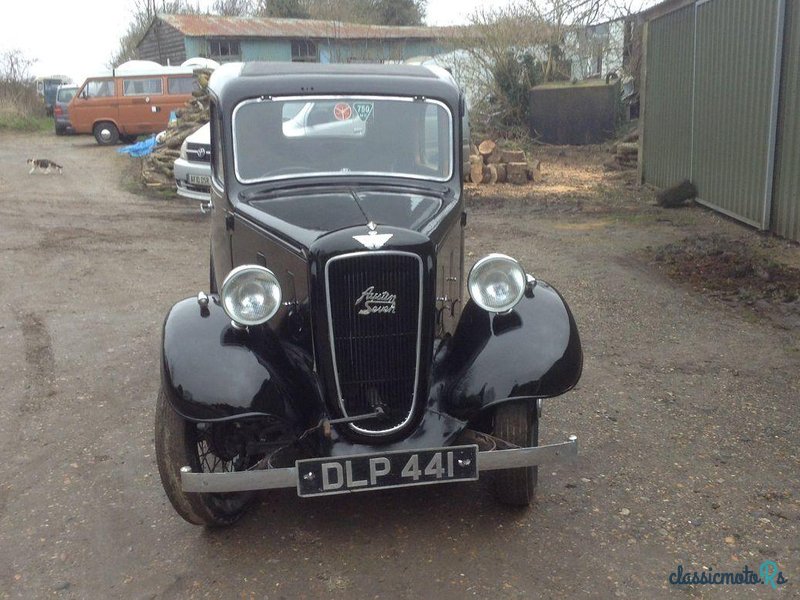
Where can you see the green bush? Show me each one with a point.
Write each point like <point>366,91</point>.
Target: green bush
<point>21,108</point>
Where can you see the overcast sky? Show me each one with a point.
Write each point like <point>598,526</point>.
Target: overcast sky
<point>78,38</point>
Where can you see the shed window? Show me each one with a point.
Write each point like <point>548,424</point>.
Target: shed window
<point>304,51</point>
<point>142,87</point>
<point>224,50</point>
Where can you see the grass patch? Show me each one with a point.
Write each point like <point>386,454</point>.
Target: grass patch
<point>18,122</point>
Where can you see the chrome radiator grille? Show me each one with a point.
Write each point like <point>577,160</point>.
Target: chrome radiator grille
<point>374,301</point>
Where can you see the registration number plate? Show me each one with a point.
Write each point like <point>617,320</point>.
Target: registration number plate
<point>360,473</point>
<point>199,179</point>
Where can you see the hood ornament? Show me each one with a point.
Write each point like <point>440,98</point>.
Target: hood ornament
<point>373,240</point>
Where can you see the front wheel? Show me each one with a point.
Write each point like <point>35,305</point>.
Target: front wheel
<point>106,133</point>
<point>517,423</point>
<point>181,443</point>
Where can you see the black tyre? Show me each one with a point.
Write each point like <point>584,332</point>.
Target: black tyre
<point>61,129</point>
<point>106,133</point>
<point>181,443</point>
<point>517,423</point>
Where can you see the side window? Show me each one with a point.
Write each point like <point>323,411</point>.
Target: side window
<point>182,85</point>
<point>430,137</point>
<point>142,87</point>
<point>99,88</point>
<point>217,163</point>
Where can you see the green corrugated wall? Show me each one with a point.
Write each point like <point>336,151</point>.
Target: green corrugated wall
<point>734,56</point>
<point>786,198</point>
<point>667,134</point>
<point>711,102</point>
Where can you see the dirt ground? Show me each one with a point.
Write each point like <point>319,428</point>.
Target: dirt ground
<point>688,413</point>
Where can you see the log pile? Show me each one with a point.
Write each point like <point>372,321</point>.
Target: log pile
<point>157,171</point>
<point>626,153</point>
<point>489,164</point>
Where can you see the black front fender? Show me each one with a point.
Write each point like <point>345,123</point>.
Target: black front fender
<point>532,352</point>
<point>214,371</point>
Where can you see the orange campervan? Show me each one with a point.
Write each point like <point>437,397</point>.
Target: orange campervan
<point>133,99</point>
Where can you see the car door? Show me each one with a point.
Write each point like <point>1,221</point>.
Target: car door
<point>139,105</point>
<point>95,102</point>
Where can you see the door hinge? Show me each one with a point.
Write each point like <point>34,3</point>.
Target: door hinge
<point>464,219</point>
<point>229,221</point>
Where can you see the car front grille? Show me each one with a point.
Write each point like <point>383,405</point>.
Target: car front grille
<point>374,325</point>
<point>198,152</point>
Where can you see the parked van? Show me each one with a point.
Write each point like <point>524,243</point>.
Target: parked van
<point>134,99</point>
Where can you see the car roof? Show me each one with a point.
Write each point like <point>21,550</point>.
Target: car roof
<point>234,82</point>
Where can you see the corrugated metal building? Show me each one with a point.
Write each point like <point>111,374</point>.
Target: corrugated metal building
<point>721,106</point>
<point>171,39</point>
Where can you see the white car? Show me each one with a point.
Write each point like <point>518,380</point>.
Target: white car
<point>193,168</point>
<point>323,119</point>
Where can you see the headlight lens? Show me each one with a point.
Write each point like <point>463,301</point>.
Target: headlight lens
<point>184,145</point>
<point>496,283</point>
<point>251,295</point>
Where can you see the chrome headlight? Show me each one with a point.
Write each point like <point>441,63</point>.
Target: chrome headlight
<point>251,295</point>
<point>496,283</point>
<point>183,154</point>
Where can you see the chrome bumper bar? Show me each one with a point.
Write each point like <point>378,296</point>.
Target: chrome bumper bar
<point>268,479</point>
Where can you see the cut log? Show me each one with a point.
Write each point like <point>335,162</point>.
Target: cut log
<point>466,167</point>
<point>517,173</point>
<point>479,173</point>
<point>514,156</point>
<point>486,147</point>
<point>628,148</point>
<point>500,169</point>
<point>492,174</point>
<point>495,157</point>
<point>675,196</point>
<point>633,136</point>
<point>533,167</point>
<point>473,149</point>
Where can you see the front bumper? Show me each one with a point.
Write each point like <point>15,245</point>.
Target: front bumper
<point>184,168</point>
<point>287,477</point>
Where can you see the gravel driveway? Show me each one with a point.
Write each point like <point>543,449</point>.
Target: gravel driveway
<point>687,415</point>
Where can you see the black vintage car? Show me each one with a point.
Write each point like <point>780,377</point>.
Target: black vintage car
<point>340,347</point>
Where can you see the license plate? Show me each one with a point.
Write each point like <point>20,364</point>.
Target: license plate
<point>364,472</point>
<point>199,179</point>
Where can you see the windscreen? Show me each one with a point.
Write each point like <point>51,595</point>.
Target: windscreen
<point>66,94</point>
<point>283,138</point>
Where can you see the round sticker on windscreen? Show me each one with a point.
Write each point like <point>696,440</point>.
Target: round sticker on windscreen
<point>342,111</point>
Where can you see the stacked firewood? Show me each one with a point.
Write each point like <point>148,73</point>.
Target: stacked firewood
<point>157,171</point>
<point>626,153</point>
<point>489,163</point>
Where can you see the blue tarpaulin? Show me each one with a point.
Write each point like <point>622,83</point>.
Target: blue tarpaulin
<point>138,149</point>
